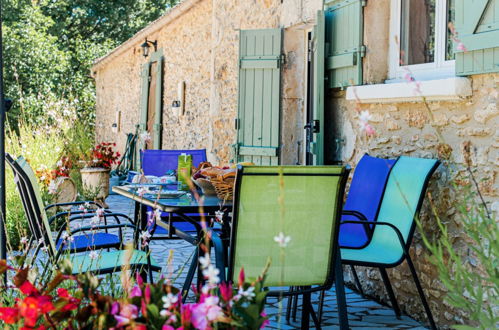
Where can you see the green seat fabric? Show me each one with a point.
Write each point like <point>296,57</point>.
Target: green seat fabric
<point>308,213</point>
<point>401,200</point>
<point>82,263</point>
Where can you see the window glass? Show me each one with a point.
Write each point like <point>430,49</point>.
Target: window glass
<point>451,18</point>
<point>417,32</point>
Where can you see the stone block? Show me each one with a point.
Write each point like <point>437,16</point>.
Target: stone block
<point>392,125</point>
<point>485,114</point>
<point>460,119</point>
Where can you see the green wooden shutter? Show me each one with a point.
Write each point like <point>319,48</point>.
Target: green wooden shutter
<point>318,44</point>
<point>344,42</point>
<point>259,96</point>
<point>144,96</point>
<point>477,25</point>
<point>158,126</point>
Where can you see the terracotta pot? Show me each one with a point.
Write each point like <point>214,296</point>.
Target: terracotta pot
<point>96,181</point>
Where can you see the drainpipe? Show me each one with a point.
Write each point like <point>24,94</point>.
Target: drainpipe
<point>3,243</point>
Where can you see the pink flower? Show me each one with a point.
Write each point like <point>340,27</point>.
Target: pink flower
<point>369,130</point>
<point>266,322</point>
<point>226,291</point>
<point>128,313</point>
<point>147,294</point>
<point>460,46</point>
<point>135,292</point>
<point>241,278</point>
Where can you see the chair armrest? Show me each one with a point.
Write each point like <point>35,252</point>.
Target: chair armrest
<point>379,223</point>
<point>65,213</point>
<point>356,214</point>
<point>100,227</point>
<point>71,203</point>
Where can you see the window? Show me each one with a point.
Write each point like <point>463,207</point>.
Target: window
<point>421,40</point>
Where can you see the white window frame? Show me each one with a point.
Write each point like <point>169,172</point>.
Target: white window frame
<point>440,68</point>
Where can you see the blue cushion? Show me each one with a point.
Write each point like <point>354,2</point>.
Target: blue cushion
<point>91,241</point>
<point>364,196</point>
<point>159,162</point>
<point>184,226</point>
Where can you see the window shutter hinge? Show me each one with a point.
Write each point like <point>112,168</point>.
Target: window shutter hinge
<point>363,51</point>
<point>283,59</point>
<point>236,123</point>
<point>363,3</point>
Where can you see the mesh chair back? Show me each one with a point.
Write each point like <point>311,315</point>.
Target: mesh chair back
<point>364,196</point>
<point>159,162</point>
<point>309,211</point>
<point>33,202</point>
<point>402,200</point>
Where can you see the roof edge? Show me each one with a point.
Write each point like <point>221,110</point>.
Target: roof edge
<point>152,27</point>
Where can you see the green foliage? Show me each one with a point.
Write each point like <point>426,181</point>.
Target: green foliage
<point>50,45</point>
<point>471,272</point>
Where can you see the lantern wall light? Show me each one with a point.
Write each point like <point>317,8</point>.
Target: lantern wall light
<point>146,45</point>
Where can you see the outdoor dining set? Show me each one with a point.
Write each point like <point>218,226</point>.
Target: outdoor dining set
<point>300,223</point>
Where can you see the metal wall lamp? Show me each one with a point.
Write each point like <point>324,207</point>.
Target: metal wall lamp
<point>146,45</point>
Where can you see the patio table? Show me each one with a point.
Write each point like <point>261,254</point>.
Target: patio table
<point>182,206</point>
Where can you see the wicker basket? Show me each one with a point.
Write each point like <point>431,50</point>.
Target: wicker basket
<point>224,187</point>
<point>206,186</point>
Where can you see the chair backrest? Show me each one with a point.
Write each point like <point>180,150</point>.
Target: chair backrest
<point>402,200</point>
<point>309,213</point>
<point>364,196</point>
<point>32,201</point>
<point>159,162</point>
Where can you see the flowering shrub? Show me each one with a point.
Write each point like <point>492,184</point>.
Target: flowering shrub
<point>143,305</point>
<point>102,155</point>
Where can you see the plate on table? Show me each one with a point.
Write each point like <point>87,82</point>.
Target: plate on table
<point>165,194</point>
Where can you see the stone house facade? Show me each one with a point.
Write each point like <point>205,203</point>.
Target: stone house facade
<point>208,55</point>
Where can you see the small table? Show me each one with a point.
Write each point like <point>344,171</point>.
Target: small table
<point>181,206</point>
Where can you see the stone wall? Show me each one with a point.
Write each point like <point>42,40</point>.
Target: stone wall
<point>201,48</point>
<point>406,129</point>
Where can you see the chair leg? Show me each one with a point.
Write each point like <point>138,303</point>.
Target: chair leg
<point>295,308</point>
<point>340,292</point>
<point>357,281</point>
<point>389,289</point>
<point>421,293</point>
<point>305,314</point>
<point>289,305</point>
<point>190,275</point>
<point>320,308</point>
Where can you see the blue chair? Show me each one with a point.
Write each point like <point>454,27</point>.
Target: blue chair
<point>159,163</point>
<point>364,199</point>
<point>363,202</point>
<point>395,224</point>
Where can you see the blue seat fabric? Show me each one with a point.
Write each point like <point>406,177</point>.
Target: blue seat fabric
<point>160,162</point>
<point>365,194</point>
<point>91,241</point>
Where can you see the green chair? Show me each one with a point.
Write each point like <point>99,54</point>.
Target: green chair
<point>395,224</point>
<point>309,213</point>
<point>97,261</point>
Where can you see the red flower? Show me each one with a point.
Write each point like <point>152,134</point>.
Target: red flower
<point>9,315</point>
<point>28,289</point>
<point>241,278</point>
<point>63,293</point>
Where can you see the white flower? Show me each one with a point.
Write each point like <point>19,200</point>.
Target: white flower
<point>95,220</point>
<point>219,216</point>
<point>42,178</point>
<point>169,300</point>
<point>365,116</point>
<point>205,261</point>
<point>59,163</point>
<point>93,255</point>
<point>145,236</point>
<point>95,160</point>
<point>211,274</point>
<point>100,212</point>
<point>24,240</point>
<point>282,240</point>
<point>211,301</point>
<point>52,188</point>
<point>86,205</point>
<point>145,137</point>
<point>249,293</point>
<point>157,214</point>
<point>44,249</point>
<point>66,237</point>
<point>141,191</point>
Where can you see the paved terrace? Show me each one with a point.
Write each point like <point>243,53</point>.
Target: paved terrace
<point>362,313</point>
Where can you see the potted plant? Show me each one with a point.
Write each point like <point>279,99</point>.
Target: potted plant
<point>95,174</point>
